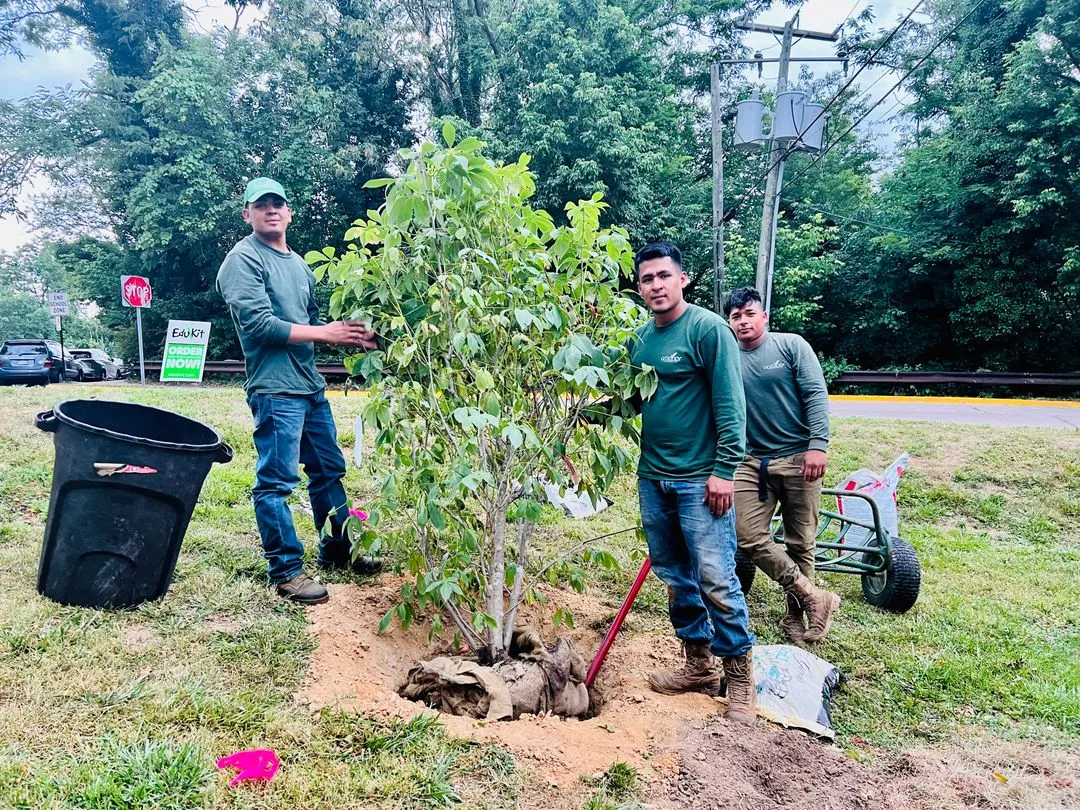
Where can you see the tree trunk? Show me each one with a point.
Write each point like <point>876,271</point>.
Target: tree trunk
<point>525,532</point>
<point>496,581</point>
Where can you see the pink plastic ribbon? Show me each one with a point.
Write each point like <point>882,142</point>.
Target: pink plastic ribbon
<point>260,764</point>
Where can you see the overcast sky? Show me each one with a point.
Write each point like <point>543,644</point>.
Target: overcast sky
<point>19,79</point>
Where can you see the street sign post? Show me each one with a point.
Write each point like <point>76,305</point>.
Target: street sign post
<point>135,291</point>
<point>185,351</point>
<point>58,308</point>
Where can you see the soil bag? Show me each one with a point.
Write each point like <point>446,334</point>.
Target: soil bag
<point>794,688</point>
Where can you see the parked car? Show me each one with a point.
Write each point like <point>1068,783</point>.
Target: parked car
<point>36,362</point>
<point>97,364</point>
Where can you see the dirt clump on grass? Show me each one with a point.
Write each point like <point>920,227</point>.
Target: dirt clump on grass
<point>686,755</point>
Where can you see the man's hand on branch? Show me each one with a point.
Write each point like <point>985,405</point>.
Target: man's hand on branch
<point>719,494</point>
<point>354,334</point>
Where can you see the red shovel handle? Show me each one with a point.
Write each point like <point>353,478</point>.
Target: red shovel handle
<point>616,625</point>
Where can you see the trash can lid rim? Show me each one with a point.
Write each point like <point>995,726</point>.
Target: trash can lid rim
<point>127,437</point>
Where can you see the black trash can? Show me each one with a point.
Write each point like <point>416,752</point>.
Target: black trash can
<point>125,482</point>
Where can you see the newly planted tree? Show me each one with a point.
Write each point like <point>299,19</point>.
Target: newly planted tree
<point>501,333</point>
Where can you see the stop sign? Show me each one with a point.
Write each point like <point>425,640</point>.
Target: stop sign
<point>135,291</point>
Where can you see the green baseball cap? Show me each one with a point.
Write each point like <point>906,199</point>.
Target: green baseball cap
<point>260,187</point>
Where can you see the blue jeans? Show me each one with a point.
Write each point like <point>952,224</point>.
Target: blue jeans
<point>291,430</point>
<point>693,552</point>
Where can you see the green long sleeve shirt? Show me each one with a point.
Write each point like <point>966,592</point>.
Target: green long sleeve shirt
<point>694,425</point>
<point>787,402</point>
<point>268,291</point>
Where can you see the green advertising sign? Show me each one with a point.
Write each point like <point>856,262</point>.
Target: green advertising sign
<point>185,351</point>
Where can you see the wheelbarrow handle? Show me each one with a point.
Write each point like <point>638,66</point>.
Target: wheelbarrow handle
<point>47,421</point>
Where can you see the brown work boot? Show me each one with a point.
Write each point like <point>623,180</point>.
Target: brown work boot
<point>792,624</point>
<point>303,589</point>
<point>741,690</point>
<point>820,606</point>
<point>698,674</point>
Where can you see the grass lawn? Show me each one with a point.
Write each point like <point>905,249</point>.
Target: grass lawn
<point>126,709</point>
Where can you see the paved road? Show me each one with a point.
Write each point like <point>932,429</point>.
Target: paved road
<point>961,410</point>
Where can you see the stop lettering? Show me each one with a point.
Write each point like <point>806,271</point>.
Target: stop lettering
<point>136,291</point>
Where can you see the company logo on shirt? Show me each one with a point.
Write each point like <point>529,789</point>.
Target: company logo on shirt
<point>674,357</point>
<point>774,366</point>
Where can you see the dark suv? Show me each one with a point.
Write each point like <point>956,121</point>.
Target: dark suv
<point>35,362</point>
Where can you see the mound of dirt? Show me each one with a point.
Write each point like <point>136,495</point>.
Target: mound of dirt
<point>687,757</point>
<point>763,769</point>
<point>356,668</point>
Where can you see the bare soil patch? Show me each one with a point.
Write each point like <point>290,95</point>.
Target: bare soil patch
<point>768,768</point>
<point>687,755</point>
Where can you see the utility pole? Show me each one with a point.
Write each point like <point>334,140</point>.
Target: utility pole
<point>767,242</point>
<point>774,183</point>
<point>717,190</point>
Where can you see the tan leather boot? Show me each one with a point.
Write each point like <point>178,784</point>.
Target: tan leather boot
<point>820,606</point>
<point>741,691</point>
<point>303,589</point>
<point>698,674</point>
<point>792,624</point>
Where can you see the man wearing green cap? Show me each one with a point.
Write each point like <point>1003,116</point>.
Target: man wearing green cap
<point>270,293</point>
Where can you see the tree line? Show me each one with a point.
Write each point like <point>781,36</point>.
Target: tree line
<point>950,245</point>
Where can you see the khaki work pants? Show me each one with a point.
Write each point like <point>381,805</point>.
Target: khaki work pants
<point>799,503</point>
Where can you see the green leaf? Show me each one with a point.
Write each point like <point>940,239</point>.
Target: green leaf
<point>484,380</point>
<point>524,318</point>
<point>380,182</point>
<point>449,133</point>
<point>514,435</point>
<point>435,516</point>
<point>388,617</point>
<point>490,403</point>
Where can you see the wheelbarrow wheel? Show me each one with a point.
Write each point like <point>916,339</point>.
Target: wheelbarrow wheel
<point>745,570</point>
<point>897,587</point>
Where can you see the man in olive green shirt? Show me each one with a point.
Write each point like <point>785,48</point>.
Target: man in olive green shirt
<point>270,293</point>
<point>692,440</point>
<point>787,432</point>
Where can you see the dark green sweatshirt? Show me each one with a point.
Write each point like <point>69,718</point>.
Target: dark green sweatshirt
<point>694,425</point>
<point>267,292</point>
<point>787,403</point>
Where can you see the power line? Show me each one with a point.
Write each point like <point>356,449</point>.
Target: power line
<point>843,218</point>
<point>791,148</point>
<point>850,12</point>
<point>884,228</point>
<point>818,158</point>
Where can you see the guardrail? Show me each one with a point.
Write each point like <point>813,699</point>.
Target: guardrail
<point>1017,380</point>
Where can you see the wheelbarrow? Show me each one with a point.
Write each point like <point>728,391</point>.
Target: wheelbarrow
<point>888,565</point>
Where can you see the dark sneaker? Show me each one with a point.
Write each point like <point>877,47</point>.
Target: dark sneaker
<point>365,565</point>
<point>304,590</point>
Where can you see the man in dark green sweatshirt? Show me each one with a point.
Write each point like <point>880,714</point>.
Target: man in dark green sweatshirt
<point>692,441</point>
<point>270,293</point>
<point>787,436</point>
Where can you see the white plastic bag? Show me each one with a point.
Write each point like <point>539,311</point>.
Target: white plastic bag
<point>577,505</point>
<point>881,487</point>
